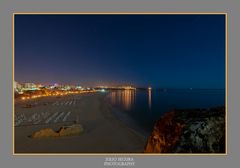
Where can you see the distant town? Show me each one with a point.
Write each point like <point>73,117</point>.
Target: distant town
<point>26,91</point>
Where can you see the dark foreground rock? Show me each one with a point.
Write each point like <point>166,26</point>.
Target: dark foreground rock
<point>72,130</point>
<point>189,131</point>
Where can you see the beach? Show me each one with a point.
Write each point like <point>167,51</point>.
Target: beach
<point>103,131</point>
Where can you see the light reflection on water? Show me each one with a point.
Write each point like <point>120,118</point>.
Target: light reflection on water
<point>146,106</point>
<point>124,97</point>
<point>127,98</point>
<point>149,99</point>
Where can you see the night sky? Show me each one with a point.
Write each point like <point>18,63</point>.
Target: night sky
<point>175,51</point>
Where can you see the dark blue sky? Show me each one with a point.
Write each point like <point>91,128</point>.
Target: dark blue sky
<point>178,51</point>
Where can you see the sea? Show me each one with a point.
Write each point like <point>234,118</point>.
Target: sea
<point>144,107</point>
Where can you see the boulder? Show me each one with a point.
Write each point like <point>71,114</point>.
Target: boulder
<point>72,130</point>
<point>47,132</point>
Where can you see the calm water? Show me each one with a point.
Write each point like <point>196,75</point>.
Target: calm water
<point>147,106</point>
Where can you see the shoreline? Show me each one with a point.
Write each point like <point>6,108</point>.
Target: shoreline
<point>103,131</point>
<point>107,129</point>
<point>127,120</point>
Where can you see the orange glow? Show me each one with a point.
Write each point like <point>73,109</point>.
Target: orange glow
<point>149,98</point>
<point>128,98</point>
<point>55,93</point>
<point>124,97</point>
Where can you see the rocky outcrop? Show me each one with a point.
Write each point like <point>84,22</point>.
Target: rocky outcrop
<point>72,130</point>
<point>189,131</point>
<point>165,135</point>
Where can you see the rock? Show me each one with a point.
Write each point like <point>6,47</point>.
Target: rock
<point>47,132</point>
<point>72,130</point>
<point>165,135</point>
<point>189,131</point>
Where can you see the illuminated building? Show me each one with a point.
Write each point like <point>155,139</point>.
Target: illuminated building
<point>79,87</point>
<point>30,86</point>
<point>17,87</point>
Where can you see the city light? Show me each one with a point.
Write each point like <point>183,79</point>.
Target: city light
<point>28,91</point>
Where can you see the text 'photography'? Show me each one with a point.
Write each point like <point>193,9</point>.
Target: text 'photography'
<point>119,83</point>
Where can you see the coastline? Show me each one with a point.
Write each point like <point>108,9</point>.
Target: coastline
<point>103,131</point>
<point>107,129</point>
<point>127,121</point>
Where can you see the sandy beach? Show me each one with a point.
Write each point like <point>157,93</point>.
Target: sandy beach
<point>103,131</point>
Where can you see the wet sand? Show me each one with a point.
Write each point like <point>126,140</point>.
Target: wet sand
<point>103,132</point>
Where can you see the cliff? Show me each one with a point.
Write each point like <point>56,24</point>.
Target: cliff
<point>189,131</point>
